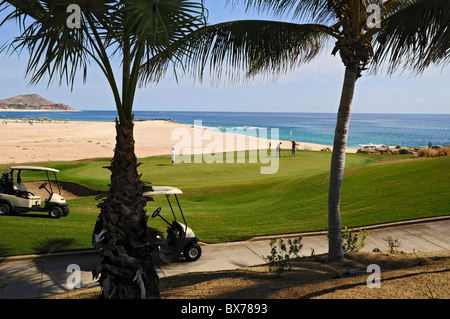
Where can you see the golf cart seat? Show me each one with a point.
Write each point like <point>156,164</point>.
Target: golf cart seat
<point>21,191</point>
<point>175,234</point>
<point>19,187</point>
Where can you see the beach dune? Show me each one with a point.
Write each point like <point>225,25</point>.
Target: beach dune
<point>24,142</point>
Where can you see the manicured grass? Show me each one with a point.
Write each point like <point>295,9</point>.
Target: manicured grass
<point>226,202</point>
<point>37,233</point>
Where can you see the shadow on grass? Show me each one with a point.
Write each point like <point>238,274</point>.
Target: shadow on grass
<point>4,250</point>
<point>53,245</point>
<point>31,215</point>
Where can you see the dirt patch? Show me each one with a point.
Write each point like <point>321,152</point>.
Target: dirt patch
<point>403,276</point>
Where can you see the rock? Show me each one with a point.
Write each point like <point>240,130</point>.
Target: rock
<point>404,151</point>
<point>384,149</point>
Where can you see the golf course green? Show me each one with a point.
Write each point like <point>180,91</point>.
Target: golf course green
<point>233,201</point>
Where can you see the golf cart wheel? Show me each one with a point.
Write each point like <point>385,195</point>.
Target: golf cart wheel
<point>55,212</point>
<point>4,209</point>
<point>192,252</point>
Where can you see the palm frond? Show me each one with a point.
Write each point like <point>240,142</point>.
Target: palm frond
<point>315,11</point>
<point>30,8</point>
<point>149,27</point>
<point>157,23</point>
<point>132,29</point>
<point>46,40</point>
<point>54,49</point>
<point>238,48</point>
<point>414,36</point>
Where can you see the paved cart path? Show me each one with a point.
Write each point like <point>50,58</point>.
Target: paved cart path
<point>36,276</point>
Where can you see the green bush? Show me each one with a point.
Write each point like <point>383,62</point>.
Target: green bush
<point>281,255</point>
<point>353,242</point>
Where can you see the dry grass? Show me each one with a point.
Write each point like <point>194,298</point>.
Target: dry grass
<point>434,152</point>
<point>403,276</point>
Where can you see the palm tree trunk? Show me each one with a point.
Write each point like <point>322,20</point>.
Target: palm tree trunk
<point>127,269</point>
<point>335,251</point>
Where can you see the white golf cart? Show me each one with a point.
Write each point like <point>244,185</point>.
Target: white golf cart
<point>180,238</point>
<point>180,241</point>
<point>15,198</point>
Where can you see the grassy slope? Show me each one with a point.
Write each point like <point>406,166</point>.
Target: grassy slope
<point>225,202</point>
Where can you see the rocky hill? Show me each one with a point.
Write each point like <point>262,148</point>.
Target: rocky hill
<point>32,102</point>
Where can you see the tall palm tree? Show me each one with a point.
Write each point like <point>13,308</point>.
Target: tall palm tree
<point>130,31</point>
<point>411,33</point>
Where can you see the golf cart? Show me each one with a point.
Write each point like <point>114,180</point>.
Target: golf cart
<point>180,238</point>
<point>14,196</point>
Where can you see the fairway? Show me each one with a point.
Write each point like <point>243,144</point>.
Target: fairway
<point>233,201</point>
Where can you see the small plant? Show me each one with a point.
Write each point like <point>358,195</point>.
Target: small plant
<point>353,242</point>
<point>3,285</point>
<point>392,243</point>
<point>281,255</point>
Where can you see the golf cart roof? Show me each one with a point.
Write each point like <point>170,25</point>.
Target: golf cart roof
<point>33,168</point>
<point>163,190</point>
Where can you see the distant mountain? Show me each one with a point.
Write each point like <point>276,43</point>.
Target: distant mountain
<point>33,102</point>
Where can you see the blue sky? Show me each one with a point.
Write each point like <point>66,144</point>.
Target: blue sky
<point>314,87</point>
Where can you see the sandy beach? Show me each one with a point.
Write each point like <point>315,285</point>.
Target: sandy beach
<point>24,142</point>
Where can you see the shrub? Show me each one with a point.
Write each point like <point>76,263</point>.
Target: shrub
<point>3,285</point>
<point>392,243</point>
<point>434,152</point>
<point>353,242</point>
<point>280,257</point>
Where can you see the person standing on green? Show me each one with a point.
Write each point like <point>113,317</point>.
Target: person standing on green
<point>294,146</point>
<point>279,149</point>
<point>172,155</point>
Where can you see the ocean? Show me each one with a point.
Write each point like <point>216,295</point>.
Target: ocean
<point>365,129</point>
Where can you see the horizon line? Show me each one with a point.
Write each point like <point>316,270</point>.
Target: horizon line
<point>297,112</point>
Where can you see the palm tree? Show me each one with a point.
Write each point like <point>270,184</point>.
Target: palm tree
<point>412,33</point>
<point>130,31</point>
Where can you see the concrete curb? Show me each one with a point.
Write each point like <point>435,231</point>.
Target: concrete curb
<point>370,227</point>
<point>48,255</point>
<point>253,239</point>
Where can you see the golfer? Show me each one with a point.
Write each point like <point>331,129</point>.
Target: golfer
<point>173,156</point>
<point>279,149</point>
<point>294,146</point>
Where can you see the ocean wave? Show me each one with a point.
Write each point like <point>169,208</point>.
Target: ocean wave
<point>371,145</point>
<point>376,145</point>
<point>246,128</point>
<point>233,128</point>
